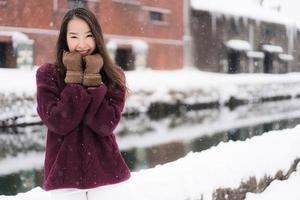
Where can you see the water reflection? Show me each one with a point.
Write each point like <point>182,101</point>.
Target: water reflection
<point>22,181</point>
<point>18,140</point>
<point>146,143</point>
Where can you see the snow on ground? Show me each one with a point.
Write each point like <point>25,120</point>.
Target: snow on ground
<point>17,81</point>
<point>199,174</point>
<point>193,86</point>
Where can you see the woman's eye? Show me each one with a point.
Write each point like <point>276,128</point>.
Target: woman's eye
<point>73,37</point>
<point>90,35</point>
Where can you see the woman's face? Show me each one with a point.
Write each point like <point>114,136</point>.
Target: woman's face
<point>79,37</point>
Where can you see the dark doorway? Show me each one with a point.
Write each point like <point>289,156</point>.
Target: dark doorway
<point>268,63</point>
<point>125,58</point>
<point>7,55</point>
<point>3,55</point>
<point>234,58</point>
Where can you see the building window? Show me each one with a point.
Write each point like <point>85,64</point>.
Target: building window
<point>156,16</point>
<point>234,25</point>
<point>269,32</point>
<point>76,3</point>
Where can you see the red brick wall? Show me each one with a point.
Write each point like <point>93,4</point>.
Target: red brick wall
<point>165,56</point>
<point>126,19</point>
<point>133,20</point>
<point>44,48</point>
<point>39,15</point>
<point>33,14</point>
<point>116,19</point>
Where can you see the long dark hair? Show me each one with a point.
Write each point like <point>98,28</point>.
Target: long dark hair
<point>110,74</point>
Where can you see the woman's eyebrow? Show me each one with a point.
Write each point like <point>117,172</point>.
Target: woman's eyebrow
<point>72,33</point>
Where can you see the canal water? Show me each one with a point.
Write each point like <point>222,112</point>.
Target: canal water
<point>146,142</point>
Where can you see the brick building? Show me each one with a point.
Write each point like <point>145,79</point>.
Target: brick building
<point>159,34</point>
<point>138,33</point>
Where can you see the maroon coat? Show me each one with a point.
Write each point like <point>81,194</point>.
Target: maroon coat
<point>81,150</point>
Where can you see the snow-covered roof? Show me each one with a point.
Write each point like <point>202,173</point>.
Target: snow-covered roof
<point>272,48</point>
<point>239,45</point>
<point>244,8</point>
<point>255,54</point>
<point>17,37</point>
<point>285,57</point>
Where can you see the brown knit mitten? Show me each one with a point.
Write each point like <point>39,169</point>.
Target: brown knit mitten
<point>72,62</point>
<point>91,75</point>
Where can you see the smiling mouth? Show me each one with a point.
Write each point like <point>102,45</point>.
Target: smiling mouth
<point>83,53</point>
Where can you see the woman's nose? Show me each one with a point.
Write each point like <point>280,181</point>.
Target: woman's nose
<point>82,43</point>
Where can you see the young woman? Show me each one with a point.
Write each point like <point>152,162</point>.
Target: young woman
<point>80,99</point>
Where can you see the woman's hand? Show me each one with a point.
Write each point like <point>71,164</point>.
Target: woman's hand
<point>93,66</point>
<point>72,62</point>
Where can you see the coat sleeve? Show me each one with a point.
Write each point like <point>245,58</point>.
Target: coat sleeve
<point>105,110</point>
<point>61,111</point>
